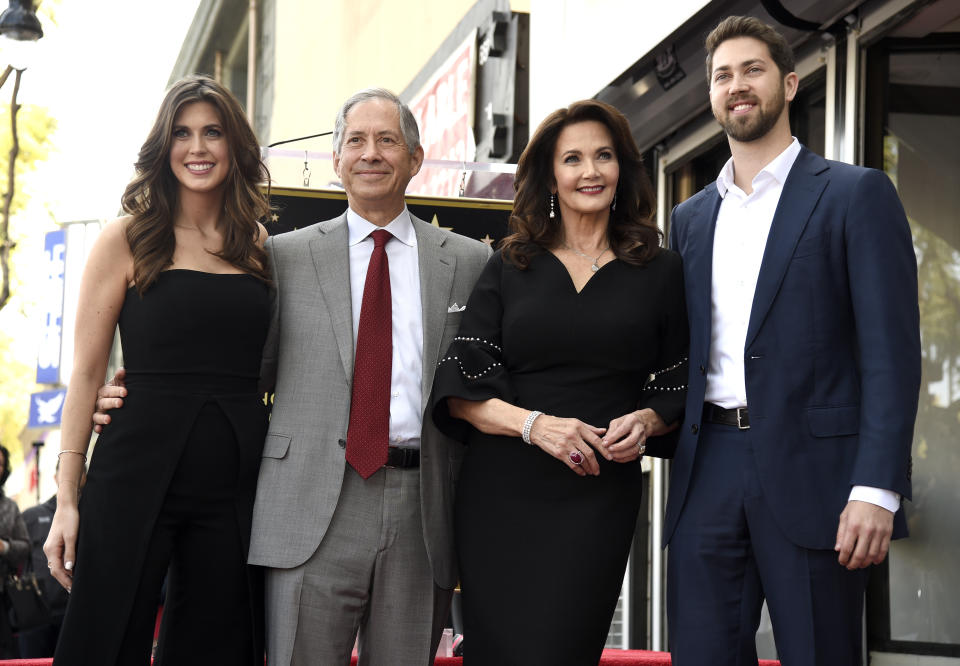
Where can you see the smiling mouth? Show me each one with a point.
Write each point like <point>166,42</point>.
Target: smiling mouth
<point>199,167</point>
<point>741,107</point>
<point>592,189</point>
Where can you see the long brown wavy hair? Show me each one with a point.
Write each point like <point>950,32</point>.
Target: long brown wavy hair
<point>633,235</point>
<point>152,196</point>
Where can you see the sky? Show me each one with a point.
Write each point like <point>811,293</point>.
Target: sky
<point>101,71</point>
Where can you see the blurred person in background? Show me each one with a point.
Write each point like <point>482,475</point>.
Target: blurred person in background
<point>14,548</point>
<point>41,641</point>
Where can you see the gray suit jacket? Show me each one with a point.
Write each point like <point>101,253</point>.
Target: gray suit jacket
<point>308,359</point>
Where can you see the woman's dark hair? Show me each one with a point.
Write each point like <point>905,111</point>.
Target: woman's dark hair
<point>633,236</point>
<point>5,470</point>
<point>152,196</point>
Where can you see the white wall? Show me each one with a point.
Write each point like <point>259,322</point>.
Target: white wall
<point>579,46</point>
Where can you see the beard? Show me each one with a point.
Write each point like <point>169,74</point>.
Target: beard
<point>755,126</point>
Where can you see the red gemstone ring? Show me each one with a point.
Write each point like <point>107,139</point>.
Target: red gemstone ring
<point>576,457</point>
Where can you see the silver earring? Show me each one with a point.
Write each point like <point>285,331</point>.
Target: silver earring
<point>552,212</point>
<point>613,206</point>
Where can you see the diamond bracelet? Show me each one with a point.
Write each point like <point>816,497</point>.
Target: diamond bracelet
<point>528,426</point>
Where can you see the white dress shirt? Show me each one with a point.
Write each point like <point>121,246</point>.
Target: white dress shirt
<point>740,238</point>
<point>406,409</point>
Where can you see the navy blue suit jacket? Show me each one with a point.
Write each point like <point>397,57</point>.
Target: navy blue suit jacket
<point>832,354</point>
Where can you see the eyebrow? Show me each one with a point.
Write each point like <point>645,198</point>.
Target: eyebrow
<point>745,63</point>
<point>380,133</point>
<point>211,125</point>
<point>577,151</point>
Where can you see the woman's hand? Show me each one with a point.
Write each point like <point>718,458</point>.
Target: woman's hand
<point>626,438</point>
<point>61,545</point>
<point>562,438</point>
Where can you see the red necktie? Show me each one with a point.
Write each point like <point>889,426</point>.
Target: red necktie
<point>369,428</point>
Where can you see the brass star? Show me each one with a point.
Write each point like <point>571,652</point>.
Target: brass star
<point>436,222</point>
<point>274,217</point>
<point>486,239</point>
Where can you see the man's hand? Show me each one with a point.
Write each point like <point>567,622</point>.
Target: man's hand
<point>863,537</point>
<point>109,396</point>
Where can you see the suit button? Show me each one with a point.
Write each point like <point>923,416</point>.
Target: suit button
<point>342,443</point>
<point>703,370</point>
<point>694,428</point>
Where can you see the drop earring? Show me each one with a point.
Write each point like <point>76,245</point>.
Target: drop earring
<point>553,214</point>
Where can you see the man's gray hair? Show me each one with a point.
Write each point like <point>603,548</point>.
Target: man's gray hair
<point>408,124</point>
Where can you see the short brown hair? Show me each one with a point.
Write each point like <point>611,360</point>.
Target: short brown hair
<point>633,235</point>
<point>748,26</point>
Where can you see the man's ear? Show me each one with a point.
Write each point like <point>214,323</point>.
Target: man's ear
<point>791,83</point>
<point>417,161</point>
<point>336,164</point>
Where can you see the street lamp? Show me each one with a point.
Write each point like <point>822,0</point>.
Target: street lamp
<point>18,23</point>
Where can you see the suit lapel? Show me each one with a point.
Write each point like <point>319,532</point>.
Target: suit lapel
<point>331,258</point>
<point>437,268</point>
<point>698,259</point>
<point>800,195</point>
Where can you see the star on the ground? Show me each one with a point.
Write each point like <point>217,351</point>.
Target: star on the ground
<point>436,222</point>
<point>486,239</point>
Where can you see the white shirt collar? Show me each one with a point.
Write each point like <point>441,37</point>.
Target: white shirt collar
<point>401,227</point>
<point>778,169</point>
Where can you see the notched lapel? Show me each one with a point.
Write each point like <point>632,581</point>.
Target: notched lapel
<point>437,268</point>
<point>801,193</point>
<point>331,258</point>
<point>698,256</point>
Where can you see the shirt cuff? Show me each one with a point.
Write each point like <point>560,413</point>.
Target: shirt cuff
<point>888,499</point>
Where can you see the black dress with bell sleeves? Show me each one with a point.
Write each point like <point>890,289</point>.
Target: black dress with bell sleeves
<point>542,551</point>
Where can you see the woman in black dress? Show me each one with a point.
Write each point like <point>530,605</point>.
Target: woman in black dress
<point>172,480</point>
<point>570,363</point>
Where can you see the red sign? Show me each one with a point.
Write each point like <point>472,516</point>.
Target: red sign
<point>444,112</point>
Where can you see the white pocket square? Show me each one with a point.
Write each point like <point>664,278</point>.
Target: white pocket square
<point>456,308</point>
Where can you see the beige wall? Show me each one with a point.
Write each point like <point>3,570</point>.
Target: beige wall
<point>327,51</point>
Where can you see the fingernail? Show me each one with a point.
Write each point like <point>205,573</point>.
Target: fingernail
<point>68,566</point>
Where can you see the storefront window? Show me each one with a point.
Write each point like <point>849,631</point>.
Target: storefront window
<point>920,139</point>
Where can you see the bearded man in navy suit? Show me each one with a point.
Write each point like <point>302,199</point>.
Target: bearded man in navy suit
<point>794,457</point>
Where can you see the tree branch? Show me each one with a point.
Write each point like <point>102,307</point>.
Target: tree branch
<point>5,244</point>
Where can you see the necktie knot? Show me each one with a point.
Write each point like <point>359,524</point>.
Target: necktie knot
<point>380,237</point>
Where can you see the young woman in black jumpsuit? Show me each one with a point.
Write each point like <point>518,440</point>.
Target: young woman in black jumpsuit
<point>172,478</point>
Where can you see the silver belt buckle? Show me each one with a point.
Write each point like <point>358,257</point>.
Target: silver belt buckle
<point>740,412</point>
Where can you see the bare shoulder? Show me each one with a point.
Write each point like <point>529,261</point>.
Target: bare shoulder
<point>111,249</point>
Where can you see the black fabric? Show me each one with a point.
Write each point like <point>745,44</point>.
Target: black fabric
<point>172,482</point>
<point>542,551</point>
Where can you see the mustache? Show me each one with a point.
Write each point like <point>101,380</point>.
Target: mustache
<point>752,99</point>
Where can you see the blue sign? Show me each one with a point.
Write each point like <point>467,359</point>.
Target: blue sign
<point>48,356</point>
<point>46,408</point>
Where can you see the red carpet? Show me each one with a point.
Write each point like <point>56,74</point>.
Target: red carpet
<point>610,658</point>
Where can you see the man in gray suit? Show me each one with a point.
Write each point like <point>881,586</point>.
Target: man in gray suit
<point>348,549</point>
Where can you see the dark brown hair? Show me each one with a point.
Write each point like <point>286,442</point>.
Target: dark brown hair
<point>152,196</point>
<point>748,26</point>
<point>633,236</point>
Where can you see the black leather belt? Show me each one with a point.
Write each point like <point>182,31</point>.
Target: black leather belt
<point>736,417</point>
<point>402,457</point>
